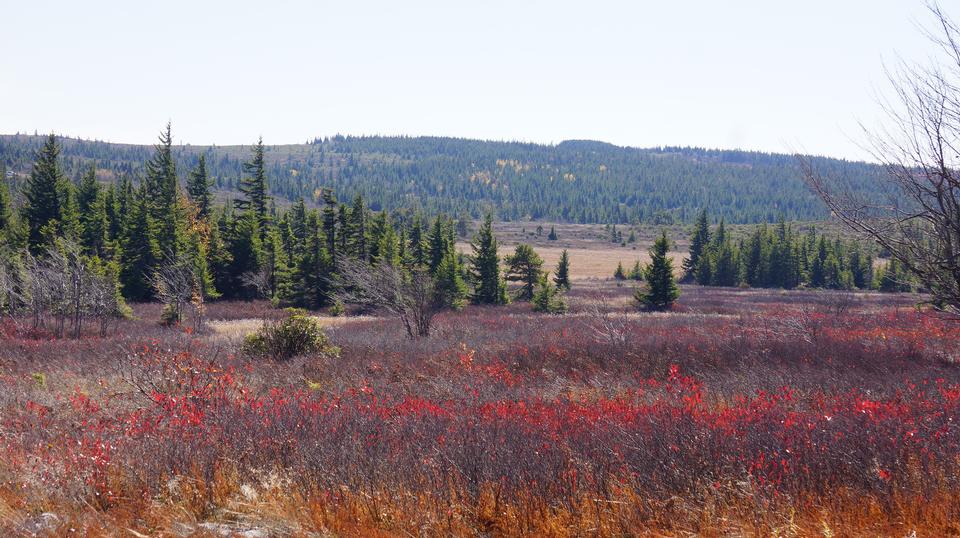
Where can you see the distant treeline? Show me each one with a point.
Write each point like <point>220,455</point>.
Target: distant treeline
<point>574,181</point>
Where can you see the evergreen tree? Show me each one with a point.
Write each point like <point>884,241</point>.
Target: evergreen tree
<point>552,236</point>
<point>449,287</point>
<point>140,251</point>
<point>524,266</point>
<point>725,269</point>
<point>198,187</point>
<point>330,224</point>
<point>162,193</point>
<point>619,273</point>
<point>561,276</point>
<point>547,298</point>
<point>92,208</point>
<point>699,242</point>
<point>6,207</point>
<point>253,186</point>
<point>246,253</point>
<point>357,230</point>
<point>41,209</point>
<point>485,271</point>
<point>438,243</point>
<point>661,290</point>
<point>418,248</point>
<point>69,223</point>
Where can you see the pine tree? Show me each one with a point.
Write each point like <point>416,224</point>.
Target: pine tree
<point>357,230</point>
<point>438,244</point>
<point>140,251</point>
<point>41,209</point>
<point>449,287</point>
<point>92,206</point>
<point>330,224</point>
<point>485,271</point>
<point>6,207</point>
<point>69,222</point>
<point>619,273</point>
<point>162,193</point>
<point>198,187</point>
<point>246,253</point>
<point>725,267</point>
<point>661,290</point>
<point>253,186</point>
<point>547,298</point>
<point>524,266</point>
<point>418,248</point>
<point>552,236</point>
<point>699,242</point>
<point>561,276</point>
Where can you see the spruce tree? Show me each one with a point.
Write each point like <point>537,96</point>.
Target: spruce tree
<point>449,288</point>
<point>548,298</point>
<point>92,205</point>
<point>162,193</point>
<point>438,244</point>
<point>619,273</point>
<point>661,289</point>
<point>357,231</point>
<point>699,242</point>
<point>561,276</point>
<point>140,251</point>
<point>524,266</point>
<point>253,186</point>
<point>41,209</point>
<point>485,267</point>
<point>418,248</point>
<point>198,187</point>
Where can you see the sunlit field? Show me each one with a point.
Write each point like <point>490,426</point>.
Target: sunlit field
<point>738,412</point>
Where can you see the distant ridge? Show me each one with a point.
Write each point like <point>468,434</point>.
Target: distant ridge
<point>583,181</point>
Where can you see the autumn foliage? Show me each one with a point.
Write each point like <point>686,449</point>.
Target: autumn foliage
<point>744,412</point>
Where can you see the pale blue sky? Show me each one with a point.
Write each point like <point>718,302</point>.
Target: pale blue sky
<point>766,75</point>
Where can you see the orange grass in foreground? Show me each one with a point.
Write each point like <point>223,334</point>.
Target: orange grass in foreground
<point>276,511</point>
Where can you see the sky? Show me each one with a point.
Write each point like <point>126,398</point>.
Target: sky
<point>779,76</point>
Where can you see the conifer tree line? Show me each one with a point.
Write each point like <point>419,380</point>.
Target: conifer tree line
<point>779,257</point>
<point>169,241</point>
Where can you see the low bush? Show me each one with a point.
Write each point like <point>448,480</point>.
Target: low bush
<point>296,334</point>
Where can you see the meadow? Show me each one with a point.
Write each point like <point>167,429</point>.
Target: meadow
<point>739,412</point>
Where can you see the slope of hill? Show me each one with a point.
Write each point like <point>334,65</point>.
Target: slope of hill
<point>579,181</point>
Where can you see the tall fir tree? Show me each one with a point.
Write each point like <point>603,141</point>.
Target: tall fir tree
<point>253,186</point>
<point>699,242</point>
<point>488,288</point>
<point>92,205</point>
<point>561,276</point>
<point>357,232</point>
<point>524,266</point>
<point>141,254</point>
<point>198,187</point>
<point>41,209</point>
<point>662,289</point>
<point>162,194</point>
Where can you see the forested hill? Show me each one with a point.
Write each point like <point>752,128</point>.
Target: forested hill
<point>575,181</point>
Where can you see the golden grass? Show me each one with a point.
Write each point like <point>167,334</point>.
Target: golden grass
<point>599,262</point>
<point>236,329</point>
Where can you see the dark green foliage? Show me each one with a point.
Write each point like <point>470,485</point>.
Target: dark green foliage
<point>449,287</point>
<point>297,334</point>
<point>661,289</point>
<point>198,187</point>
<point>92,208</point>
<point>619,273</point>
<point>488,288</point>
<point>552,236</point>
<point>140,251</point>
<point>161,196</point>
<point>253,186</point>
<point>41,209</point>
<point>561,276</point>
<point>778,257</point>
<point>357,230</point>
<point>699,240</point>
<point>561,183</point>
<point>548,298</point>
<point>526,267</point>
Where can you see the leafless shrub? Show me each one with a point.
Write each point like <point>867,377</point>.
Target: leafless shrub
<point>919,221</point>
<point>408,295</point>
<point>177,286</point>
